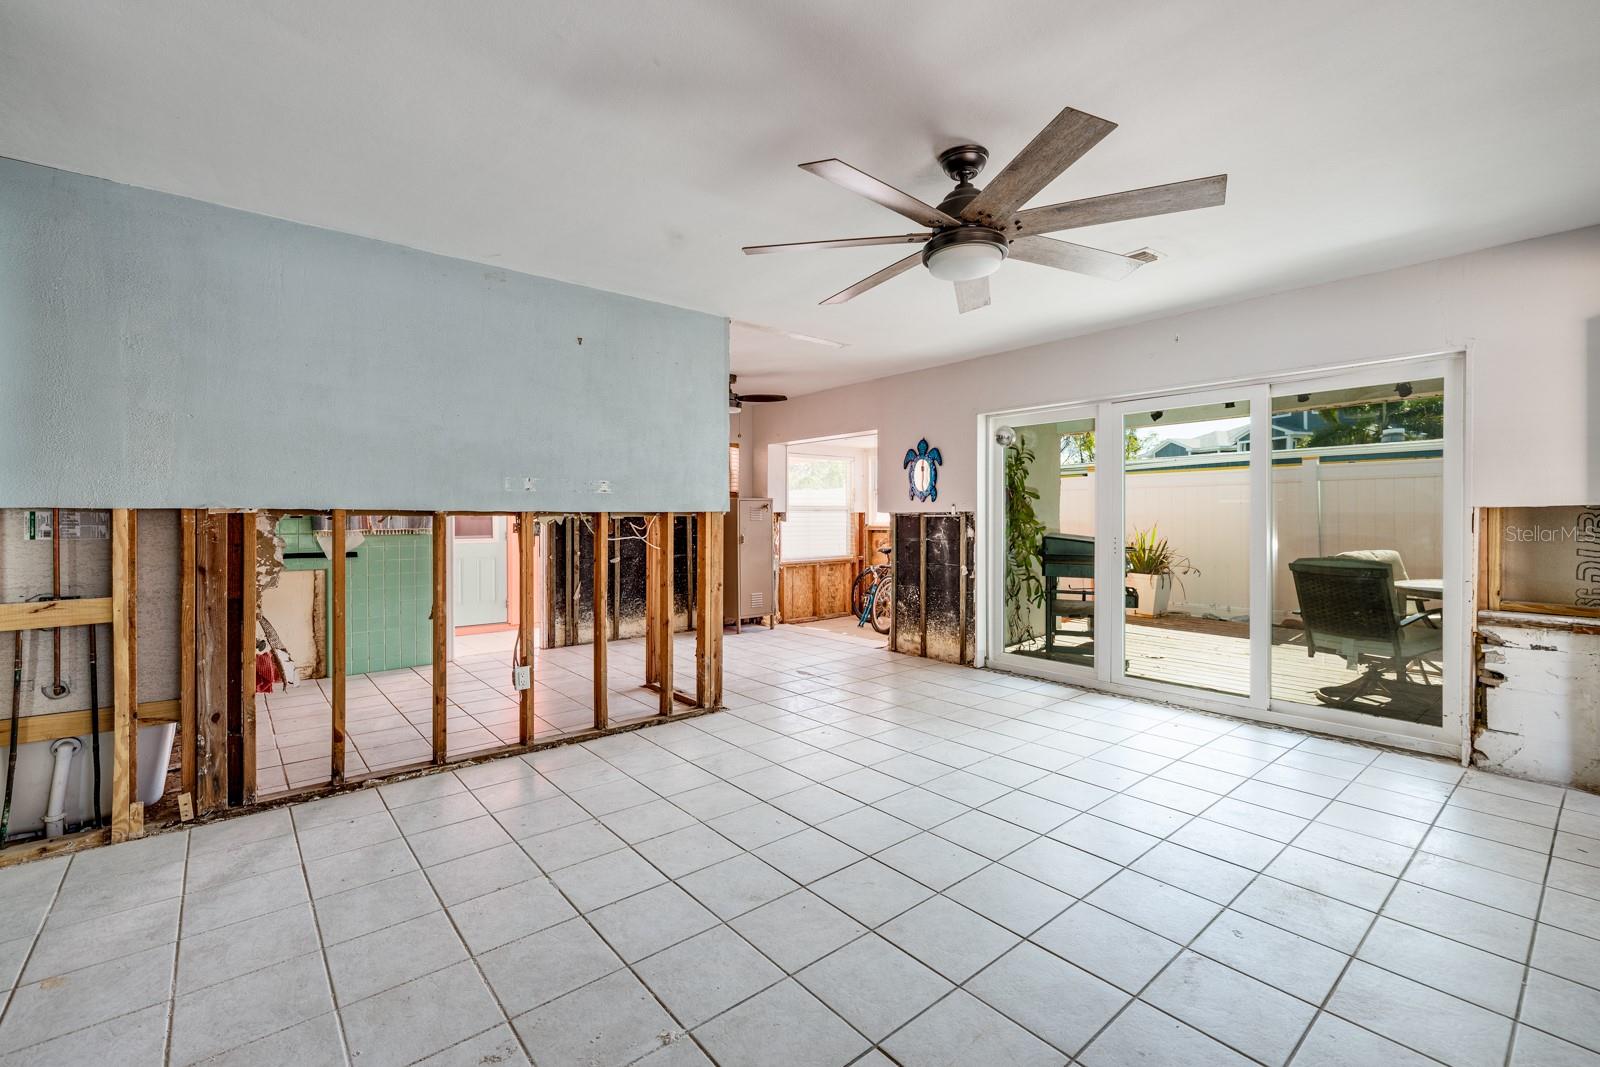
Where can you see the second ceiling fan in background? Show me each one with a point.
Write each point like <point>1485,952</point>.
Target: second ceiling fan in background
<point>973,231</point>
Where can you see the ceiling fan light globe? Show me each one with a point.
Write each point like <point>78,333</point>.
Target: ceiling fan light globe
<point>965,263</point>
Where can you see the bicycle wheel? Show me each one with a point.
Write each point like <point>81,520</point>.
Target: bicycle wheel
<point>859,591</point>
<point>883,605</point>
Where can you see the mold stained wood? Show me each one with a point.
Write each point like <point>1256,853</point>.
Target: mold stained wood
<point>933,585</point>
<point>211,672</point>
<point>569,572</point>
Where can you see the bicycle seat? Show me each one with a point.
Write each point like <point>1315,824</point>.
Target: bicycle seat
<point>885,551</point>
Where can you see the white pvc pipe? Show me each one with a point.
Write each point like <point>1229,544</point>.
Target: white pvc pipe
<point>55,812</point>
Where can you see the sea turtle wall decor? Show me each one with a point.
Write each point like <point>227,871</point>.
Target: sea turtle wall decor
<point>922,471</point>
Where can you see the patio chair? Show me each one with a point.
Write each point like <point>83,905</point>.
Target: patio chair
<point>1397,567</point>
<point>1349,608</point>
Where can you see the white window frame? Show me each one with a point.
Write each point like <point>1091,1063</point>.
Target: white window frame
<point>849,507</point>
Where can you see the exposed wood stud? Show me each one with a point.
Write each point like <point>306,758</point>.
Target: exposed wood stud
<point>187,723</point>
<point>441,632</point>
<point>527,545</point>
<point>602,559</point>
<point>53,846</point>
<point>652,664</point>
<point>50,614</point>
<point>336,639</point>
<point>708,612</point>
<point>57,724</point>
<point>247,649</point>
<point>124,604</point>
<point>211,673</point>
<point>662,624</point>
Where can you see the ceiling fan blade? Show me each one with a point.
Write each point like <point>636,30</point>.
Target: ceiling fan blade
<point>1057,147</point>
<point>762,398</point>
<point>846,242</point>
<point>1081,259</point>
<point>863,184</point>
<point>972,295</point>
<point>896,268</point>
<point>1133,204</point>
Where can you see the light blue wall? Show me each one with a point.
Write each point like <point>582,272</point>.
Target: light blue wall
<point>160,352</point>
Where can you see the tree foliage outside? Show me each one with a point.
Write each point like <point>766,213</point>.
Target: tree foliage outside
<point>1422,419</point>
<point>1077,449</point>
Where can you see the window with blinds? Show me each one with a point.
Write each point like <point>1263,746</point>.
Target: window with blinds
<point>733,469</point>
<point>819,523</point>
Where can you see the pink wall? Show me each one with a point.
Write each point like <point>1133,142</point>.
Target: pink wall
<point>1528,315</point>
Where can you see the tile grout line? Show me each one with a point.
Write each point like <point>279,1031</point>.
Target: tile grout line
<point>1533,934</point>
<point>1322,1009</point>
<point>322,948</point>
<point>177,948</point>
<point>33,946</point>
<point>580,914</point>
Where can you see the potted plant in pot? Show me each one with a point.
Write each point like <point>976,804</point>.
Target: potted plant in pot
<point>1152,568</point>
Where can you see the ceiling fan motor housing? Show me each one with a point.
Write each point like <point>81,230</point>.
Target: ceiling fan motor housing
<point>964,253</point>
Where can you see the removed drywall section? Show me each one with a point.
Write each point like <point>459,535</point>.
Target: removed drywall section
<point>569,570</point>
<point>85,572</point>
<point>163,352</point>
<point>1542,715</point>
<point>933,586</point>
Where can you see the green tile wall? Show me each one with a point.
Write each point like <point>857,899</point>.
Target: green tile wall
<point>388,598</point>
<point>388,595</point>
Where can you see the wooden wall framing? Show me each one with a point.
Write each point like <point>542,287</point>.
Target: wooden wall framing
<point>215,708</point>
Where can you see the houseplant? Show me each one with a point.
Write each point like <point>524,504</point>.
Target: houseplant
<point>1152,568</point>
<point>1024,585</point>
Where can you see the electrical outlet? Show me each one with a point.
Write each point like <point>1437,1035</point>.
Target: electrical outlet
<point>602,487</point>
<point>521,678</point>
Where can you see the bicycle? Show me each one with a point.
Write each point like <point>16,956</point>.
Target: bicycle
<point>872,595</point>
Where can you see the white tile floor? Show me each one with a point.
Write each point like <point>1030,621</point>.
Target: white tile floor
<point>389,714</point>
<point>866,859</point>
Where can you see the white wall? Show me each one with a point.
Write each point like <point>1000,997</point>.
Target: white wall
<point>162,352</point>
<point>1528,314</point>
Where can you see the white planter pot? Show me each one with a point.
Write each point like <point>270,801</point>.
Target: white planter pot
<point>1155,590</point>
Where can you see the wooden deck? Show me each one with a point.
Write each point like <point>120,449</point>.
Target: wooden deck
<point>1214,654</point>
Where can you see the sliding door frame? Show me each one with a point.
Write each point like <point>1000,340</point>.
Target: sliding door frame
<point>992,635</point>
<point>1448,739</point>
<point>1111,545</point>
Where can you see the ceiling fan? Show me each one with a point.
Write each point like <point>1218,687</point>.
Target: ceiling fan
<point>973,230</point>
<point>737,401</point>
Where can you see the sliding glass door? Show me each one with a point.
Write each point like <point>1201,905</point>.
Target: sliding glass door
<point>1047,513</point>
<point>1188,530</point>
<point>1360,602</point>
<point>1280,549</point>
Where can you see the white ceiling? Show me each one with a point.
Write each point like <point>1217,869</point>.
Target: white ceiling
<point>635,147</point>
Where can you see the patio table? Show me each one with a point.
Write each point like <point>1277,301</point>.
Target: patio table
<point>1421,590</point>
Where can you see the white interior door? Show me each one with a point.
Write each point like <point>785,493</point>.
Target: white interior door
<point>479,557</point>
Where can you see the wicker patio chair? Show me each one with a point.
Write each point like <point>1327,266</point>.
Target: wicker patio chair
<point>1348,608</point>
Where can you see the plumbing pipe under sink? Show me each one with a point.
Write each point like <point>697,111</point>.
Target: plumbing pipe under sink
<point>55,812</point>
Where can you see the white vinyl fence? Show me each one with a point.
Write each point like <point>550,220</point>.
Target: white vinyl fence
<point>1325,501</point>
